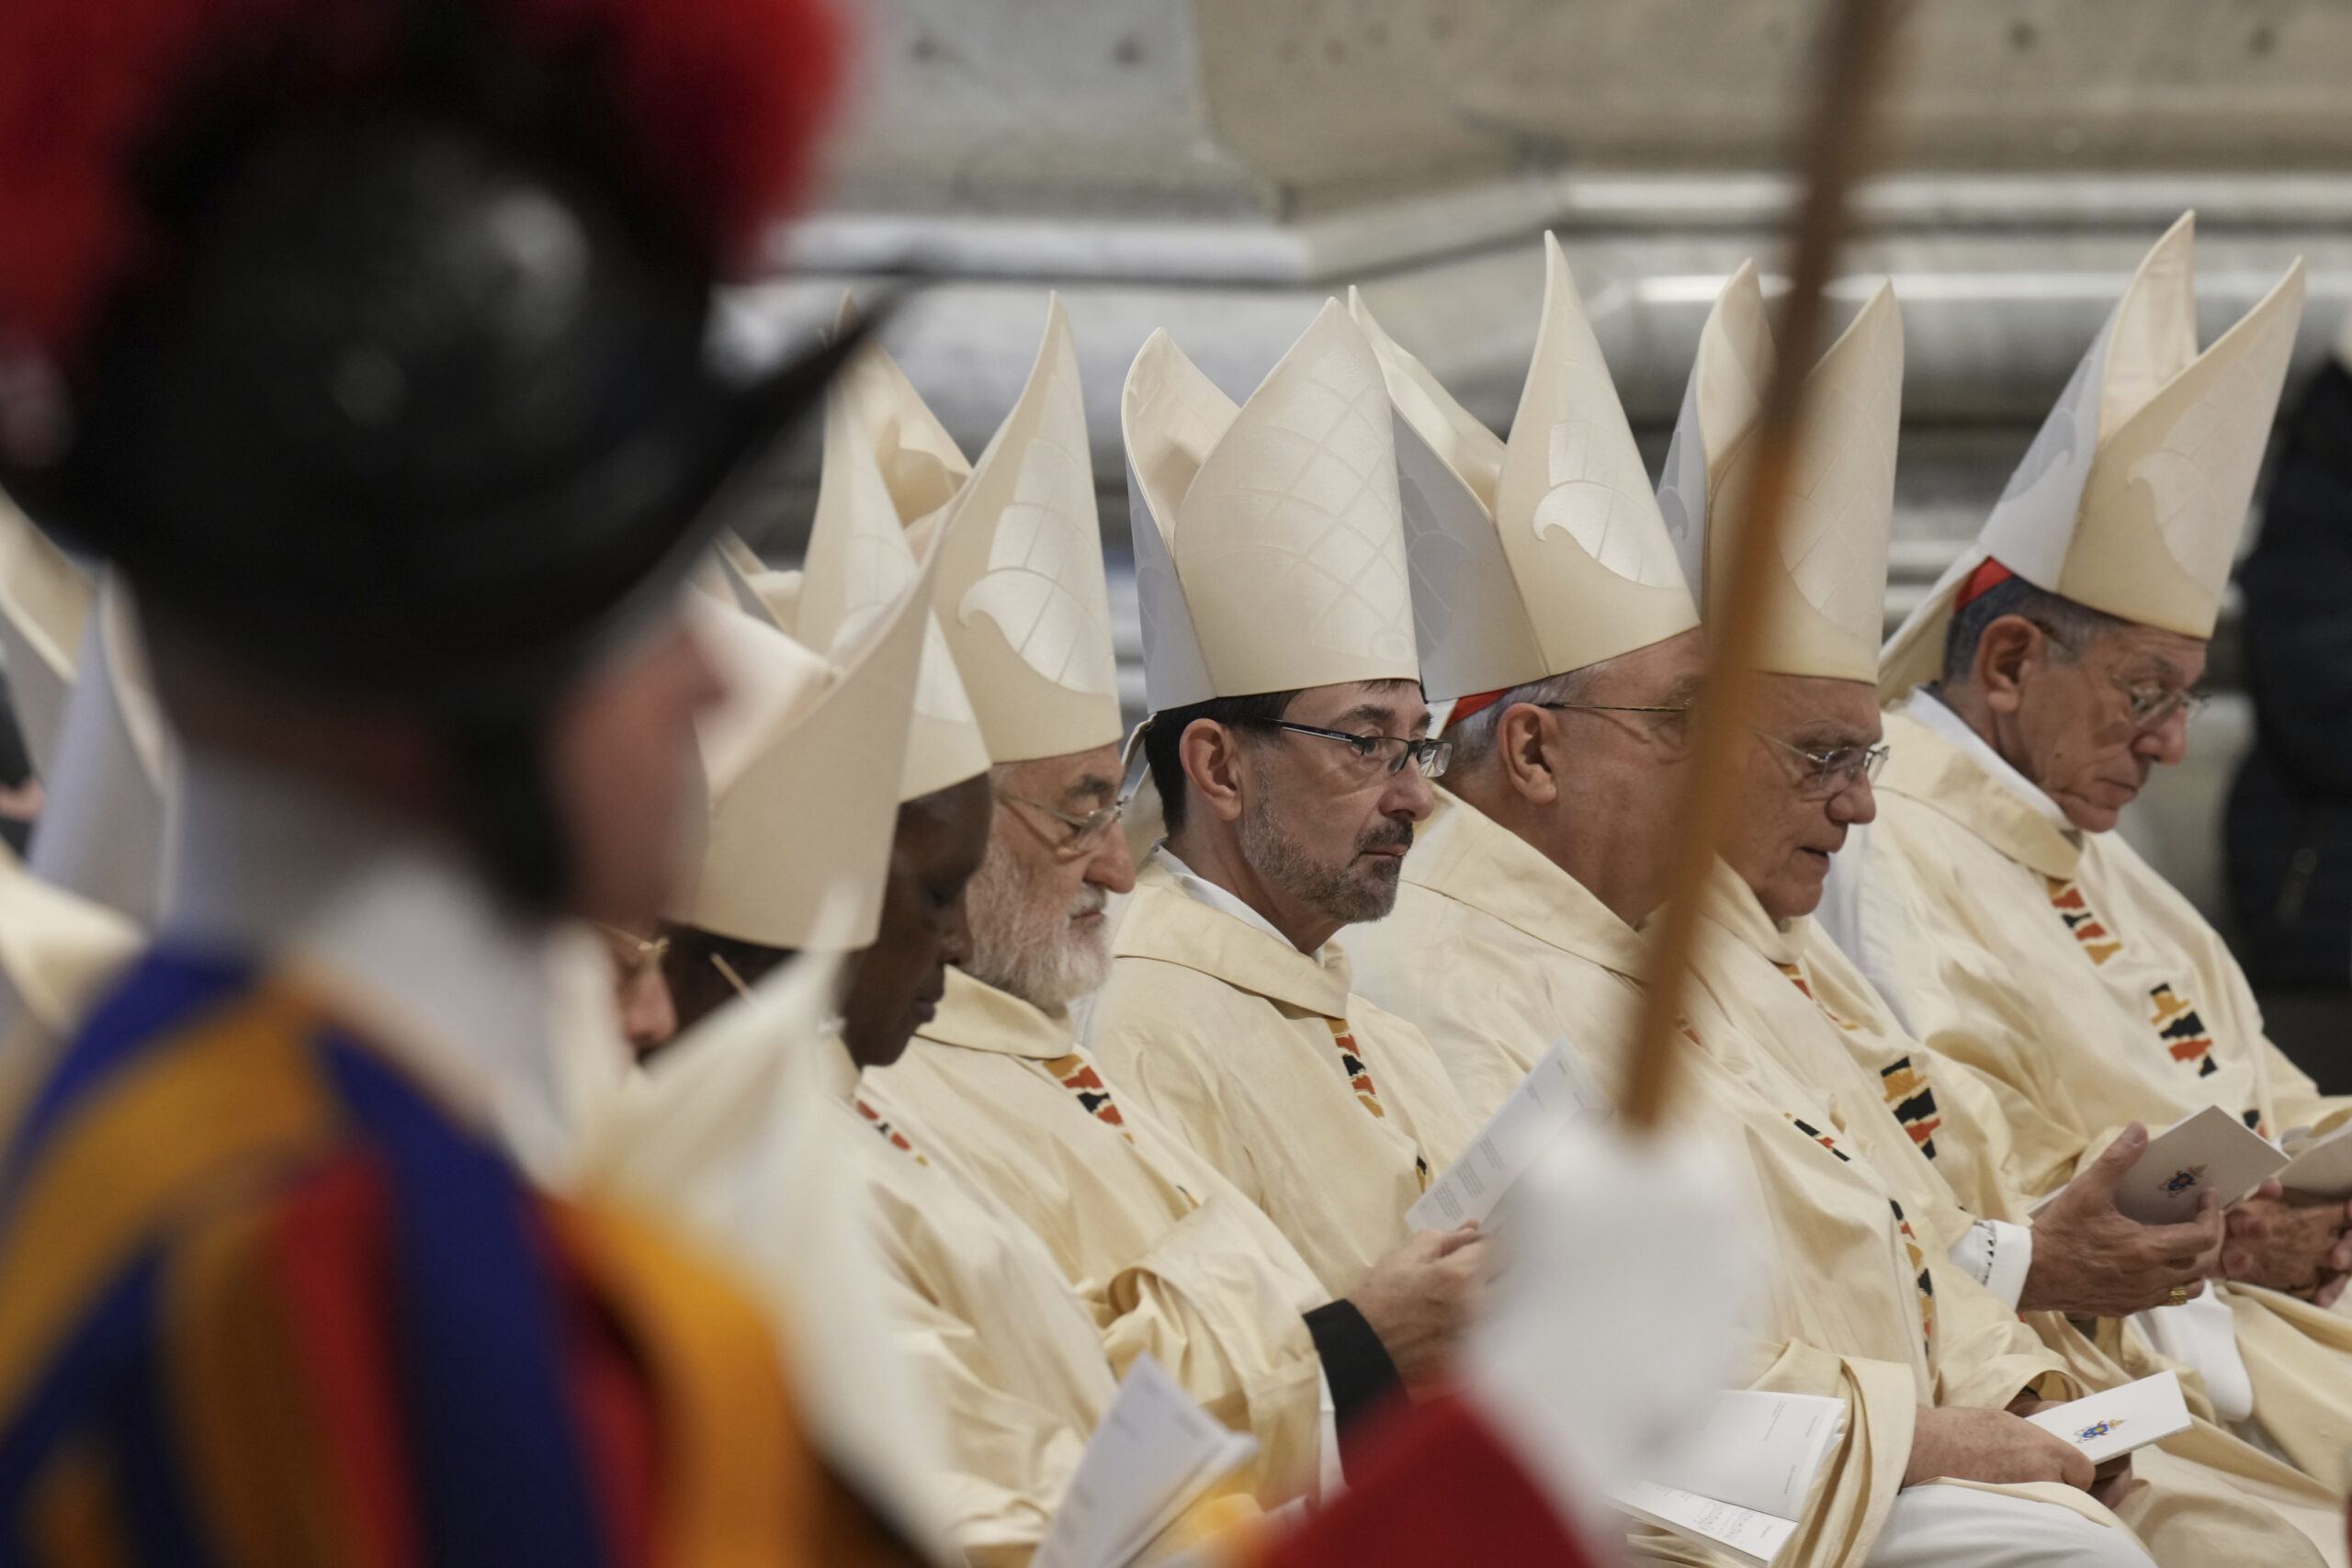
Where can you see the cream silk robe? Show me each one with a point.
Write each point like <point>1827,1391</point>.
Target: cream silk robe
<point>995,1332</point>
<point>2092,994</point>
<point>1330,1114</point>
<point>1496,951</point>
<point>1791,989</point>
<point>1165,1253</point>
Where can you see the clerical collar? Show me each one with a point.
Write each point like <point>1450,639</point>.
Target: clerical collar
<point>1932,711</point>
<point>1201,890</point>
<point>389,918</point>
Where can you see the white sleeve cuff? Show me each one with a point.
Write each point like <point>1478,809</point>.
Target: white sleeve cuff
<point>1997,1255</point>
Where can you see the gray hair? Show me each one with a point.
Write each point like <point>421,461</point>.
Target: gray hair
<point>1473,738</point>
<point>2072,627</point>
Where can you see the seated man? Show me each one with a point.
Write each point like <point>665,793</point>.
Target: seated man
<point>1498,943</point>
<point>2008,925</point>
<point>1289,750</point>
<point>273,1293</point>
<point>1169,1257</point>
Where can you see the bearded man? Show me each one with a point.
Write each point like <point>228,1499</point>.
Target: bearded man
<point>1498,946</point>
<point>1169,1257</point>
<point>1289,749</point>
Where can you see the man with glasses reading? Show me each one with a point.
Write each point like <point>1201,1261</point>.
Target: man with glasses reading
<point>1168,1256</point>
<point>2046,676</point>
<point>1289,749</point>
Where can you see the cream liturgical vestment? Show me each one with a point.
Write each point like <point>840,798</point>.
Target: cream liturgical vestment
<point>2064,969</point>
<point>1169,1259</point>
<point>1328,1112</point>
<point>1496,951</point>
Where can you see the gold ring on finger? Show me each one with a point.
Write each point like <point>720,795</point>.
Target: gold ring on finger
<point>2178,1297</point>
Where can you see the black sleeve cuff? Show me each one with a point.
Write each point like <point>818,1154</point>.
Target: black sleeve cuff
<point>1356,1364</point>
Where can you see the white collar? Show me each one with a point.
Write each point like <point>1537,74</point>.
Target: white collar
<point>1201,890</point>
<point>390,918</point>
<point>1932,711</point>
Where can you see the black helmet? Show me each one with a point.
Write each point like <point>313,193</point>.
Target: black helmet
<point>404,392</point>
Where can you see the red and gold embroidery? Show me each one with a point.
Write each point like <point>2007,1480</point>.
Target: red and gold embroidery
<point>1076,1074</point>
<point>1912,1101</point>
<point>1359,1081</point>
<point>2182,1030</point>
<point>2089,929</point>
<point>1925,1280</point>
<point>890,1135</point>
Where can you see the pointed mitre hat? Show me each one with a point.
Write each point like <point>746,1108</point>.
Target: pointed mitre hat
<point>1270,547</point>
<point>795,759</point>
<point>1021,594</point>
<point>2133,496</point>
<point>1542,554</point>
<point>45,603</point>
<point>104,821</point>
<point>1825,587</point>
<point>863,553</point>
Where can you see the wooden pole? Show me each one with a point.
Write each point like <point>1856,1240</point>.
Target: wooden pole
<point>1837,121</point>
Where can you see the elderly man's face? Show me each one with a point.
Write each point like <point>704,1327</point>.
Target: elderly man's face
<point>1792,814</point>
<point>1328,826</point>
<point>1038,926</point>
<point>2070,727</point>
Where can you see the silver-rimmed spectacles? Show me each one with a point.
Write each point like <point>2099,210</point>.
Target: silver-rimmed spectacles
<point>1832,772</point>
<point>1084,827</point>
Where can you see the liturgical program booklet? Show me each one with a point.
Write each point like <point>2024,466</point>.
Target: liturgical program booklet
<point>1557,1093</point>
<point>2212,1151</point>
<point>2106,1425</point>
<point>1739,1483</point>
<point>1155,1453</point>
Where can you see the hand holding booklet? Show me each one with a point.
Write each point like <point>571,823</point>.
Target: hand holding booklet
<point>2209,1151</point>
<point>1555,1094</point>
<point>1739,1483</point>
<point>2107,1425</point>
<point>1155,1453</point>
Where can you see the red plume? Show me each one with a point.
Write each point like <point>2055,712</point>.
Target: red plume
<point>723,100</point>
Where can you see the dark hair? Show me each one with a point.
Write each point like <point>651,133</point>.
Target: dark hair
<point>1167,733</point>
<point>2071,626</point>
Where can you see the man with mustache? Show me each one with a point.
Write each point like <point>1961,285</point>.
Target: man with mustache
<point>1521,921</point>
<point>1169,1257</point>
<point>1289,749</point>
<point>2007,925</point>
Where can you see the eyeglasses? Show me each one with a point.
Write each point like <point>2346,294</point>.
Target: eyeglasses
<point>2146,704</point>
<point>644,952</point>
<point>1833,772</point>
<point>1390,751</point>
<point>1085,828</point>
<point>1674,713</point>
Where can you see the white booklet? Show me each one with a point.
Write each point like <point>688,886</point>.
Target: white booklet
<point>1155,1453</point>
<point>1739,1483</point>
<point>2121,1419</point>
<point>2209,1151</point>
<point>1556,1093</point>
<point>2322,1165</point>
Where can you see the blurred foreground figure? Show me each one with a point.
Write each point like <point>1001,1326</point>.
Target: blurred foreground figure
<point>2007,924</point>
<point>373,336</point>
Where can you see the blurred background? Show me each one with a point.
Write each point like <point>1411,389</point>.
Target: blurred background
<point>1220,166</point>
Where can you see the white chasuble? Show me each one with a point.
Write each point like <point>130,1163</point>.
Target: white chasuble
<point>1169,1258</point>
<point>1329,1114</point>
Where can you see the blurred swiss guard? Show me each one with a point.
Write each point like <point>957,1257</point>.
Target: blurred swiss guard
<point>377,341</point>
<point>1288,745</point>
<point>1552,590</point>
<point>2006,923</point>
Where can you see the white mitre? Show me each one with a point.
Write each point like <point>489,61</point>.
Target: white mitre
<point>105,820</point>
<point>796,763</point>
<point>1544,555</point>
<point>2131,499</point>
<point>862,552</point>
<point>45,601</point>
<point>1269,539</point>
<point>1021,595</point>
<point>1826,585</point>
